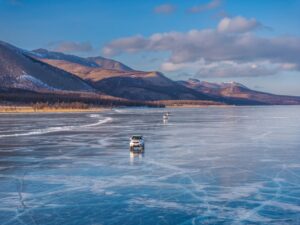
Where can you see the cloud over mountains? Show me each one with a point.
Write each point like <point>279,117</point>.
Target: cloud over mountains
<point>232,43</point>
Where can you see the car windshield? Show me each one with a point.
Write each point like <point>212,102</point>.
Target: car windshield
<point>136,137</point>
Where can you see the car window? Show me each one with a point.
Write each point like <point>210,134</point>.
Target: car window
<point>136,137</point>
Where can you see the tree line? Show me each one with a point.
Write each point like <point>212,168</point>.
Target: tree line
<point>64,99</point>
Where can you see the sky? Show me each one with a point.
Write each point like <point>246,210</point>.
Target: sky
<point>254,42</point>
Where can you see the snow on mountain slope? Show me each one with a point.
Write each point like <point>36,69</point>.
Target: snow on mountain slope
<point>17,69</point>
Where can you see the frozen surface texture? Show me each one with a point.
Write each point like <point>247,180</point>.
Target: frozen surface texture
<point>236,165</point>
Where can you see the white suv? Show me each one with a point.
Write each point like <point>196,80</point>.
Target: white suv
<point>137,143</point>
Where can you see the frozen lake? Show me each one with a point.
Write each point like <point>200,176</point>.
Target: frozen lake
<point>235,165</point>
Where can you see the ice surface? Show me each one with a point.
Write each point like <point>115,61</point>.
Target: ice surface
<point>235,165</point>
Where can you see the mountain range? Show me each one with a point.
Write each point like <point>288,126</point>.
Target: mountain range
<point>238,91</point>
<point>43,71</point>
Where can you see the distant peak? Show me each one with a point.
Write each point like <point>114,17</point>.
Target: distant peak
<point>44,53</point>
<point>48,52</point>
<point>193,80</point>
<point>95,57</point>
<point>158,73</point>
<point>233,84</point>
<point>40,50</point>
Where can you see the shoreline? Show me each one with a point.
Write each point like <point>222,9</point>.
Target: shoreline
<point>190,103</point>
<point>197,106</point>
<point>28,109</point>
<point>32,110</point>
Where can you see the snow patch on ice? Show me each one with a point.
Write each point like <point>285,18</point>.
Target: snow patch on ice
<point>241,191</point>
<point>285,206</point>
<point>293,165</point>
<point>156,203</point>
<point>58,129</point>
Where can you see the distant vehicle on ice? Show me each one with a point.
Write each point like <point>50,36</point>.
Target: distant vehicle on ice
<point>166,116</point>
<point>137,143</point>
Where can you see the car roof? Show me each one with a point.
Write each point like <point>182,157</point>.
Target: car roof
<point>137,135</point>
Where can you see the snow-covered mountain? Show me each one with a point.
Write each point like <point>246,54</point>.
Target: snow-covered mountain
<point>19,70</point>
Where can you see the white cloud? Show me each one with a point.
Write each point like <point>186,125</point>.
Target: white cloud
<point>170,67</point>
<point>232,41</point>
<point>290,66</point>
<point>238,24</point>
<point>205,7</point>
<point>223,68</point>
<point>233,69</point>
<point>165,9</point>
<point>130,44</point>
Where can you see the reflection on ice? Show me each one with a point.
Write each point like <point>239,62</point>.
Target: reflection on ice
<point>135,156</point>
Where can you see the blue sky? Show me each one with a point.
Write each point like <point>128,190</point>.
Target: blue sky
<point>129,31</point>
